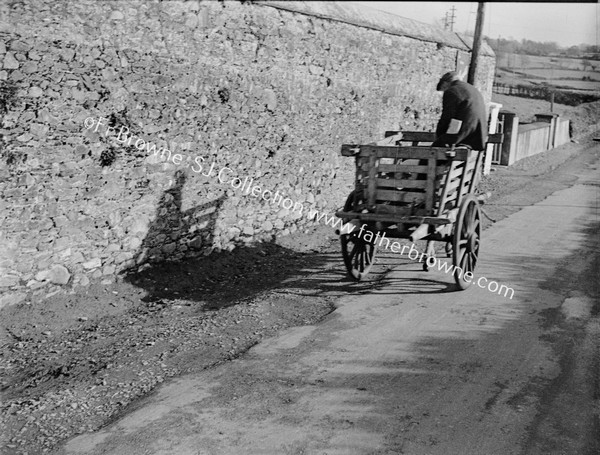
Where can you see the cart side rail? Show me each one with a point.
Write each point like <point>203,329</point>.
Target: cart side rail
<point>418,137</point>
<point>401,153</point>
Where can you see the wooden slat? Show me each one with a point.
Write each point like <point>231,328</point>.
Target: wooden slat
<point>421,153</point>
<point>462,184</point>
<point>430,188</point>
<point>393,218</point>
<point>418,136</point>
<point>452,193</point>
<point>465,170</point>
<point>429,136</point>
<point>372,182</point>
<point>440,153</point>
<point>404,210</point>
<point>466,177</point>
<point>468,174</point>
<point>453,185</point>
<point>474,181</point>
<point>472,161</point>
<point>401,183</point>
<point>402,168</point>
<point>451,197</point>
<point>448,206</point>
<point>456,172</point>
<point>400,196</point>
<point>456,176</point>
<point>359,178</point>
<point>414,137</point>
<point>445,191</point>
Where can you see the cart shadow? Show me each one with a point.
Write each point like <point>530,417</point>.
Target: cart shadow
<point>225,278</point>
<point>330,278</point>
<point>210,281</point>
<point>407,277</point>
<point>193,227</point>
<point>413,286</point>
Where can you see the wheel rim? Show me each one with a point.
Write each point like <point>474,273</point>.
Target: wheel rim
<point>466,240</point>
<point>358,255</point>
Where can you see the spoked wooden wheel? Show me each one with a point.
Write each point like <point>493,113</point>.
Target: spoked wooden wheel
<point>358,255</point>
<point>465,243</point>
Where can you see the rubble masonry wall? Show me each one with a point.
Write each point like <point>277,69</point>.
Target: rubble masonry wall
<point>266,93</point>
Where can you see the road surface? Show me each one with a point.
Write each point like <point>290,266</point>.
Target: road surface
<point>412,367</point>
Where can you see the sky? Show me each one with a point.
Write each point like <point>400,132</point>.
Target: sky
<point>565,23</point>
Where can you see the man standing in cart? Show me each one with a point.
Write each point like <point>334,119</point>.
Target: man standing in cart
<point>463,121</point>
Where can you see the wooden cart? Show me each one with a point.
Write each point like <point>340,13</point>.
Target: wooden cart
<point>413,192</point>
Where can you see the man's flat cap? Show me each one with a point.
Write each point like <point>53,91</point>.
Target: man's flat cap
<point>448,77</point>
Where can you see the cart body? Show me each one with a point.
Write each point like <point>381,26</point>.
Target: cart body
<point>412,192</point>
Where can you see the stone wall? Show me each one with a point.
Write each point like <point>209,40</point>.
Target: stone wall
<point>265,92</point>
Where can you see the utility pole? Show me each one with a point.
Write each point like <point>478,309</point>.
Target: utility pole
<point>452,17</point>
<point>449,19</point>
<point>476,43</point>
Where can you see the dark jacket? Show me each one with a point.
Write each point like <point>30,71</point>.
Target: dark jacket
<point>463,102</point>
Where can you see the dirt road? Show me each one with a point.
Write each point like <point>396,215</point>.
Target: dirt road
<point>408,366</point>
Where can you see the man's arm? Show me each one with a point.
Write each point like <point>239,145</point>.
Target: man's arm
<point>449,105</point>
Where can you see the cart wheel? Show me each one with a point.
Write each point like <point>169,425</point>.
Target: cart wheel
<point>358,255</point>
<point>465,242</point>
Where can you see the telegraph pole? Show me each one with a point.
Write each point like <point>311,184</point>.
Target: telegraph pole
<point>452,17</point>
<point>449,19</point>
<point>476,43</point>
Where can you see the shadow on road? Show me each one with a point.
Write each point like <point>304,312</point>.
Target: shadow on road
<point>223,278</point>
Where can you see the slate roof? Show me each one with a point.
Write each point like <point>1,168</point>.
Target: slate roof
<point>363,16</point>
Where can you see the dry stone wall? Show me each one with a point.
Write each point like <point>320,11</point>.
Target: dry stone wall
<point>125,124</point>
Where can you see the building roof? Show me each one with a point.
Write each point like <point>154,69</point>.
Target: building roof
<point>363,16</point>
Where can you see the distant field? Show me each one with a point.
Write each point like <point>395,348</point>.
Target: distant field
<point>518,61</point>
<point>578,85</point>
<point>562,74</point>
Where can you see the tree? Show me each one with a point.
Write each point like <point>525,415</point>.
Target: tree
<point>573,51</point>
